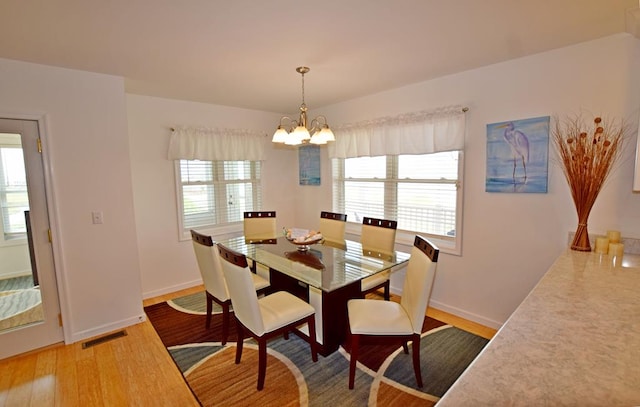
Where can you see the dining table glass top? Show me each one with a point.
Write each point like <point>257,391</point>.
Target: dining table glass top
<point>326,265</point>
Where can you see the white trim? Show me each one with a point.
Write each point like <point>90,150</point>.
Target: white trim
<point>55,226</point>
<point>14,274</point>
<point>102,329</point>
<point>466,315</point>
<point>171,289</point>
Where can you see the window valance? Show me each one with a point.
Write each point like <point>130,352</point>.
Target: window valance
<point>422,132</point>
<point>207,144</point>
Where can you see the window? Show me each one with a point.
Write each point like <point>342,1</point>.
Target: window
<point>216,193</point>
<point>14,198</point>
<point>421,192</point>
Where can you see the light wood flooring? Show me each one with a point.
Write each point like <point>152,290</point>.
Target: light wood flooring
<point>133,370</point>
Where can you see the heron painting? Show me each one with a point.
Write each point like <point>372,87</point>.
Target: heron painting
<point>518,155</point>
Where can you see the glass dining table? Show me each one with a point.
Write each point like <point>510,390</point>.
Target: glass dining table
<point>326,275</point>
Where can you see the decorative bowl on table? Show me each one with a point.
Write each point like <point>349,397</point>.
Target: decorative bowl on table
<point>302,238</point>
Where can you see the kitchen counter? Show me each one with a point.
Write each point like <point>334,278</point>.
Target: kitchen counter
<point>574,340</point>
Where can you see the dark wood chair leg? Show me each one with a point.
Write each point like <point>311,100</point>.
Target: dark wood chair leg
<point>262,362</point>
<point>225,321</point>
<point>311,322</point>
<point>240,342</point>
<point>209,309</point>
<point>355,339</point>
<point>415,348</point>
<point>405,347</point>
<point>387,290</point>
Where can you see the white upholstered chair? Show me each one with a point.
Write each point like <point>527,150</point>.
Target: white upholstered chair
<point>213,279</point>
<point>266,317</point>
<point>402,321</point>
<point>332,226</point>
<point>378,236</point>
<point>260,226</point>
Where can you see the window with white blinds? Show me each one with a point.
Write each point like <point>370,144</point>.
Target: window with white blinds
<point>14,198</point>
<point>421,192</point>
<point>214,193</point>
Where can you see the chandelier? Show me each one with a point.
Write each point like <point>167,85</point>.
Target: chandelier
<point>293,132</point>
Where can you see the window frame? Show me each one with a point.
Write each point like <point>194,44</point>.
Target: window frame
<point>218,181</point>
<point>450,245</point>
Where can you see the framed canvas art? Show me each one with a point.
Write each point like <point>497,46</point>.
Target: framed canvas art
<point>309,164</point>
<point>518,156</point>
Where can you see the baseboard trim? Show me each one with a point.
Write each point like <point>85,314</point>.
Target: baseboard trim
<point>464,324</point>
<point>171,289</point>
<point>104,329</point>
<point>14,274</point>
<point>466,315</point>
<point>479,319</point>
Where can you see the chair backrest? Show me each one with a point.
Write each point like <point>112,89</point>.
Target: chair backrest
<point>260,225</point>
<point>418,281</point>
<point>332,226</point>
<point>378,235</point>
<point>243,293</point>
<point>209,265</point>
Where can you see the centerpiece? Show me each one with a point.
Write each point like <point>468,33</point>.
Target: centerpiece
<point>587,159</point>
<point>302,238</point>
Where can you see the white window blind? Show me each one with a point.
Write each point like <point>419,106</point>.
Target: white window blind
<point>217,192</point>
<point>14,198</point>
<point>419,191</point>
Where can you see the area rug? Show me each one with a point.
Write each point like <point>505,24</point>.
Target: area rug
<point>384,375</point>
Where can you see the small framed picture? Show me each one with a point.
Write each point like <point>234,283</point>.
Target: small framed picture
<point>309,164</point>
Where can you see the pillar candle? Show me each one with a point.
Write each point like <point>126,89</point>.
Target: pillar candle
<point>616,249</point>
<point>614,236</point>
<point>602,245</point>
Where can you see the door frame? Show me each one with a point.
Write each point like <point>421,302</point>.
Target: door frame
<point>53,214</point>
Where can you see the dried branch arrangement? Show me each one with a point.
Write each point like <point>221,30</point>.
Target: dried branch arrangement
<point>587,158</point>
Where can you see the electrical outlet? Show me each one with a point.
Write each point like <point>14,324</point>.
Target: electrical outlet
<point>96,217</point>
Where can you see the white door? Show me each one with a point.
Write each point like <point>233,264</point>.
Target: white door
<point>25,324</point>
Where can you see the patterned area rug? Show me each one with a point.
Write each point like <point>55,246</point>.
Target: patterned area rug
<point>20,302</point>
<point>384,375</point>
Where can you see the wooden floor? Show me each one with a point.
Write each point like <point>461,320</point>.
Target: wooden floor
<point>133,370</point>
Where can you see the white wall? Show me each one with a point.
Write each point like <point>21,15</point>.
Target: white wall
<point>510,240</point>
<point>166,262</point>
<point>14,260</point>
<point>88,150</point>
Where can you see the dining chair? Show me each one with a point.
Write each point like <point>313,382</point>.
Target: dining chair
<point>403,320</point>
<point>266,317</point>
<point>332,226</point>
<point>260,226</point>
<point>378,236</point>
<point>215,286</point>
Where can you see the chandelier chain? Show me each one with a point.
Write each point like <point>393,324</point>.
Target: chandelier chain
<point>303,89</point>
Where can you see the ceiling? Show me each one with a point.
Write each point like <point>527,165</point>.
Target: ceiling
<point>244,52</point>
